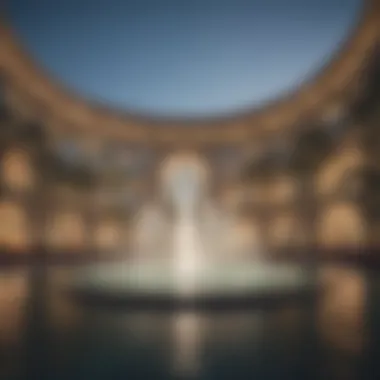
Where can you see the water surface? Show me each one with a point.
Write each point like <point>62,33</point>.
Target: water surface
<point>44,335</point>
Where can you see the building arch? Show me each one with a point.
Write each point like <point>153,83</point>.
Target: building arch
<point>14,229</point>
<point>341,226</point>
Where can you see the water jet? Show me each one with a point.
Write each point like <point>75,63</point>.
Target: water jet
<point>185,254</point>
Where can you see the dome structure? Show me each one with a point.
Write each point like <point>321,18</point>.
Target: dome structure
<point>44,99</point>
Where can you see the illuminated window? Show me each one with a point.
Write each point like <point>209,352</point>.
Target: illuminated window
<point>341,225</point>
<point>107,236</point>
<point>282,190</point>
<point>66,232</point>
<point>284,231</point>
<point>247,238</point>
<point>335,171</point>
<point>13,227</point>
<point>18,173</point>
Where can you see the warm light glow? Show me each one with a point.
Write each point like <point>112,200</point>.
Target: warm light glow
<point>187,342</point>
<point>184,186</point>
<point>186,227</point>
<point>14,232</point>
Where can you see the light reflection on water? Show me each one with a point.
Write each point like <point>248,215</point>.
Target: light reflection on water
<point>190,345</point>
<point>187,335</point>
<point>204,346</point>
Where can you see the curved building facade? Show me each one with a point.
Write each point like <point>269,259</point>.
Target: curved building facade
<point>300,167</point>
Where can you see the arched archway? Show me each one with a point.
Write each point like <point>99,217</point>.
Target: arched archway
<point>341,225</point>
<point>107,236</point>
<point>66,232</point>
<point>335,171</point>
<point>17,170</point>
<point>285,231</point>
<point>14,233</point>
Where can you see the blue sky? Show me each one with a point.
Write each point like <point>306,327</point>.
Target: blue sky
<point>182,57</point>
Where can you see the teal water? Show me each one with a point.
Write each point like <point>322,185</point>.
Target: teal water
<point>57,339</point>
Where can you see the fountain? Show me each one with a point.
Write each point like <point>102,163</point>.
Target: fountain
<point>184,187</point>
<point>185,252</point>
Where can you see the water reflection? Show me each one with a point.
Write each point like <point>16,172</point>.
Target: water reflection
<point>13,293</point>
<point>267,344</point>
<point>342,321</point>
<point>187,334</point>
<point>341,311</point>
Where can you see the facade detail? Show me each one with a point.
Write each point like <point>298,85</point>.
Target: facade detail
<point>298,172</point>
